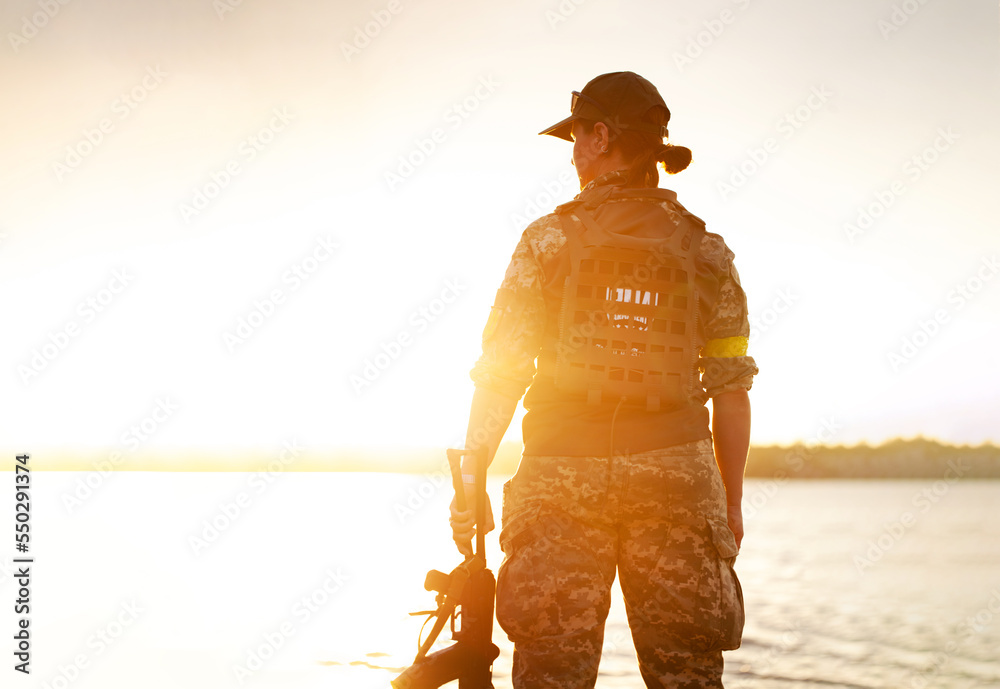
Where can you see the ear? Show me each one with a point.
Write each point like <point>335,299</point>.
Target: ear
<point>602,135</point>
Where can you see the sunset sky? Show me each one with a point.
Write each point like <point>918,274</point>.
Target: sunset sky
<point>225,226</point>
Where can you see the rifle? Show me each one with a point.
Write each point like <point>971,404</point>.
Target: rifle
<point>471,588</point>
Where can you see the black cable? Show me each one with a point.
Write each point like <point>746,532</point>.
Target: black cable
<point>611,450</point>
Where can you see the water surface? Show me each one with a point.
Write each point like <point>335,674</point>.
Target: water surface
<point>305,580</point>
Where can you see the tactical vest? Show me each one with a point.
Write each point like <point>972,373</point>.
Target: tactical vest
<point>628,319</point>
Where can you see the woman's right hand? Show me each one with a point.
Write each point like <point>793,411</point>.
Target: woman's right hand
<point>463,524</point>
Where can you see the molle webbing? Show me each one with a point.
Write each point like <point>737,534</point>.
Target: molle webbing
<point>627,324</point>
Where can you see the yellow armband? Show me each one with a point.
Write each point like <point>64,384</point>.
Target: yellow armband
<point>726,347</point>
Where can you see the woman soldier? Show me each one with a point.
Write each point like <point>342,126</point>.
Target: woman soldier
<point>623,298</point>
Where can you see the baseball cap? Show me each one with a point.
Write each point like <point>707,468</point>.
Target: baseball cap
<point>621,99</point>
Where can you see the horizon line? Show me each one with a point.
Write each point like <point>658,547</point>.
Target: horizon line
<point>375,459</point>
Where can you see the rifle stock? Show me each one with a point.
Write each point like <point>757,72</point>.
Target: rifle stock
<point>434,670</point>
<point>471,588</point>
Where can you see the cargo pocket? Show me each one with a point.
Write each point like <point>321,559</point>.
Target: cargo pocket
<point>550,583</point>
<point>516,531</point>
<point>730,613</point>
<point>690,599</point>
<point>517,515</point>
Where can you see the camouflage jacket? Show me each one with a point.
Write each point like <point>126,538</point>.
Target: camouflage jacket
<point>559,425</point>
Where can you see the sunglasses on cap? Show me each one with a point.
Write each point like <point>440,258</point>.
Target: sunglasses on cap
<point>577,96</point>
<point>642,127</point>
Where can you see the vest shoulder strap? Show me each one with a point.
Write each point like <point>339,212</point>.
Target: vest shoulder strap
<point>645,193</point>
<point>658,194</point>
<point>592,198</point>
<point>589,231</point>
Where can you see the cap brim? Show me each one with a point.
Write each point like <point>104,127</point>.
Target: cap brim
<point>563,129</point>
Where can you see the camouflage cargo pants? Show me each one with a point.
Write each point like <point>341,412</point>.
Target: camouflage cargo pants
<point>659,518</point>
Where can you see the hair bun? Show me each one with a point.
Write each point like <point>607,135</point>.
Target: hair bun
<point>674,158</point>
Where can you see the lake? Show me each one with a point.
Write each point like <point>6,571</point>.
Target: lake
<point>305,580</point>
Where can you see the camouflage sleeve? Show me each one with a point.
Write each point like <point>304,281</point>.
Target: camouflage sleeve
<point>513,333</point>
<point>724,361</point>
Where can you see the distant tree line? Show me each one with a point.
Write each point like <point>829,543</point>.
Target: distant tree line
<point>914,458</point>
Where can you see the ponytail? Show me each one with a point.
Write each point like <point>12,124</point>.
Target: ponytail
<point>674,158</point>
<point>647,150</point>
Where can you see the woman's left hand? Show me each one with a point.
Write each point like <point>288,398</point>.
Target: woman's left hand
<point>735,516</point>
